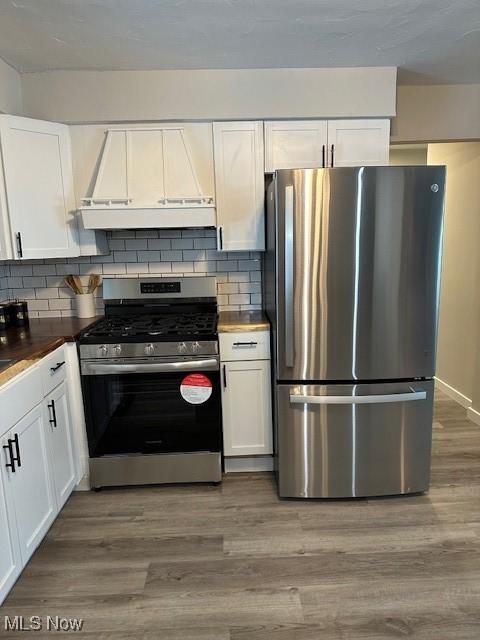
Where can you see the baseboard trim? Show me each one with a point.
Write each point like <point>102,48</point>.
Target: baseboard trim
<point>244,464</point>
<point>473,415</point>
<point>453,393</point>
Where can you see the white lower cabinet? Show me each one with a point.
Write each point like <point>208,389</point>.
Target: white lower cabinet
<point>37,471</point>
<point>30,481</point>
<point>10,560</point>
<point>246,406</point>
<point>60,443</point>
<point>246,395</point>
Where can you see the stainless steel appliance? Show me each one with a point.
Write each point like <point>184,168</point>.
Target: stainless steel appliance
<point>351,287</point>
<point>151,383</point>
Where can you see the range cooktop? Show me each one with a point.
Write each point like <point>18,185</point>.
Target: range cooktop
<point>138,328</point>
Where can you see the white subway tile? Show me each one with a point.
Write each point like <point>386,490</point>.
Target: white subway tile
<point>148,256</point>
<point>114,268</point>
<point>160,267</point>
<point>44,270</point>
<point>171,256</point>
<point>136,244</point>
<point>169,233</point>
<point>137,267</point>
<point>205,266</point>
<point>125,256</point>
<point>87,269</point>
<point>60,303</point>
<point>194,254</point>
<point>23,294</point>
<point>37,305</point>
<point>13,283</point>
<point>45,293</point>
<point>255,276</point>
<point>256,298</point>
<point>67,313</point>
<point>160,243</point>
<point>182,267</point>
<point>238,276</point>
<point>183,243</point>
<point>239,298</point>
<point>67,269</point>
<point>116,244</point>
<point>49,314</point>
<point>205,243</point>
<point>146,233</point>
<point>21,270</point>
<point>228,287</point>
<point>227,265</point>
<point>34,281</point>
<point>249,265</point>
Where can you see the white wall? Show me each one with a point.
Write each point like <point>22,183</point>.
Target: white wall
<point>10,90</point>
<point>109,96</point>
<point>434,113</point>
<point>459,328</point>
<point>408,154</point>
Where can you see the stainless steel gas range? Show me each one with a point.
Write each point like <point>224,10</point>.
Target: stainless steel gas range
<point>151,383</point>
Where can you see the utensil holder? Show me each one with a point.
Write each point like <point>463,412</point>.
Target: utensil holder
<point>85,305</point>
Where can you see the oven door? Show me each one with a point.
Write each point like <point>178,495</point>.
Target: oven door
<point>152,406</point>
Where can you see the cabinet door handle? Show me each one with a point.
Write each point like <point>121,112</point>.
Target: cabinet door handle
<point>11,463</point>
<point>18,237</point>
<point>245,344</point>
<point>220,238</point>
<point>17,447</point>
<point>53,419</point>
<point>224,376</point>
<point>333,155</point>
<point>57,366</point>
<point>323,155</point>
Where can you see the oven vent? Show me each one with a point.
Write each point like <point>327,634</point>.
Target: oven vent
<point>146,179</point>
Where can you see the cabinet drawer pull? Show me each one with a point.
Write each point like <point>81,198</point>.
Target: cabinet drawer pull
<point>11,463</point>
<point>18,237</point>
<point>53,419</point>
<point>245,344</point>
<point>57,366</point>
<point>17,447</point>
<point>333,155</point>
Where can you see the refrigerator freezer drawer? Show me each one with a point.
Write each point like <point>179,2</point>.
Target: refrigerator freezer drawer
<point>341,441</point>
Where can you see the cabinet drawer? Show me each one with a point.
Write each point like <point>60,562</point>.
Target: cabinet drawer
<point>19,396</point>
<point>54,369</point>
<point>248,345</point>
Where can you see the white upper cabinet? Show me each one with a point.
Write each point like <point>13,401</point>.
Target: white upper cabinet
<point>239,179</point>
<point>38,193</point>
<point>358,142</point>
<point>295,144</point>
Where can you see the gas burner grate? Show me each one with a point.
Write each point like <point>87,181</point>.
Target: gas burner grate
<point>170,325</point>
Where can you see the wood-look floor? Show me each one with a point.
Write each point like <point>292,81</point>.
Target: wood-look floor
<point>235,563</point>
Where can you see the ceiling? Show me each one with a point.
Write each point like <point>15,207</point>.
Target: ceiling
<point>431,41</point>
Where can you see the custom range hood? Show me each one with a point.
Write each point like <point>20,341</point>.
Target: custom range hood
<point>146,178</point>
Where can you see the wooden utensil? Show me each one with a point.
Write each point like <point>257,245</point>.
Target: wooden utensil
<point>74,283</point>
<point>93,282</point>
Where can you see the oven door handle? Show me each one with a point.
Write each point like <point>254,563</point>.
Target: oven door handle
<point>93,368</point>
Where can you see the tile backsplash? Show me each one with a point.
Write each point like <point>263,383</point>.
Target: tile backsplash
<point>150,252</point>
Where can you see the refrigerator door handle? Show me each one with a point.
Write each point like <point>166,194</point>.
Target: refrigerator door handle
<point>372,399</point>
<point>288,298</point>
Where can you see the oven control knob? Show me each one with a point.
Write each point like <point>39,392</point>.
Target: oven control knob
<point>182,347</point>
<point>103,350</point>
<point>117,349</point>
<point>149,349</point>
<point>196,347</point>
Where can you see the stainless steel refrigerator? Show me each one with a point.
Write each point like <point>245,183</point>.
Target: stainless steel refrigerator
<point>351,287</point>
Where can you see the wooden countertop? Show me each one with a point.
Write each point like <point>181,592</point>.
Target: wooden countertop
<point>27,345</point>
<point>238,321</point>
